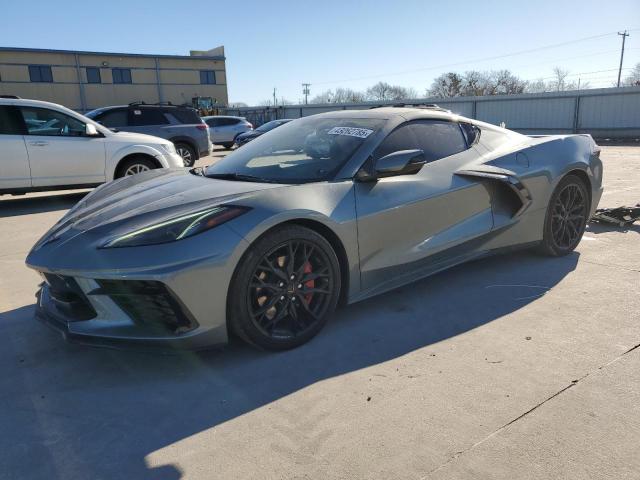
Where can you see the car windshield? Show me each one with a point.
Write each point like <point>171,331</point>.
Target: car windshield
<point>269,126</point>
<point>310,149</point>
<point>94,113</point>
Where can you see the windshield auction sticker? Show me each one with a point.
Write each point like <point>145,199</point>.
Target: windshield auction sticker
<point>351,131</point>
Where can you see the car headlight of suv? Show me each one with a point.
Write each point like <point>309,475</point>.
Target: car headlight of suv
<point>168,147</point>
<point>177,228</point>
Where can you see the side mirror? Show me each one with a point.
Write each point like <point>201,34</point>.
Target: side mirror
<point>403,162</point>
<point>91,131</point>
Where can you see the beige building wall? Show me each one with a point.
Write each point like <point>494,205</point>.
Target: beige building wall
<point>154,78</point>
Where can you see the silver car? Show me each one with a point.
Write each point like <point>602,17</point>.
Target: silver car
<point>325,210</point>
<point>223,130</point>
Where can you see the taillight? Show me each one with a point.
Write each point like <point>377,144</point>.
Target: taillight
<point>201,126</point>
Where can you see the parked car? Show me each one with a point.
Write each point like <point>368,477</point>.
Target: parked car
<point>223,130</point>
<point>181,125</point>
<point>44,146</point>
<point>328,209</point>
<point>264,128</point>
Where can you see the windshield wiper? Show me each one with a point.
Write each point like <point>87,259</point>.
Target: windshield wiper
<point>238,177</point>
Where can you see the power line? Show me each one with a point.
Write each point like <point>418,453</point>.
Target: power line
<point>495,57</point>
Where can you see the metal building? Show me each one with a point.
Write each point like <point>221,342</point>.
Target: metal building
<point>83,81</point>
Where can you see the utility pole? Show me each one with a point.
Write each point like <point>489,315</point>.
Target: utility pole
<point>274,97</point>
<point>305,92</point>
<point>624,37</point>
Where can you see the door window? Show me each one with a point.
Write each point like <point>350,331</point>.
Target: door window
<point>42,121</point>
<point>401,138</point>
<point>10,121</point>
<point>113,118</point>
<point>212,122</point>
<point>147,116</point>
<point>438,139</point>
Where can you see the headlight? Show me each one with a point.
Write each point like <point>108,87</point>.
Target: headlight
<point>177,228</point>
<point>168,147</point>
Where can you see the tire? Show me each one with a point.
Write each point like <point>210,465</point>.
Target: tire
<point>566,218</point>
<point>187,153</point>
<point>227,145</point>
<point>133,165</point>
<point>271,310</point>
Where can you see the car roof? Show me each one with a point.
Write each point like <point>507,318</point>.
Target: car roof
<point>30,103</point>
<point>223,116</point>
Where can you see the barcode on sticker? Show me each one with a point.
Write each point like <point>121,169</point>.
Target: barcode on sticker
<point>351,131</point>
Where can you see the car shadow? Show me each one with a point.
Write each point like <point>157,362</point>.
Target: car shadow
<point>85,412</point>
<point>16,206</point>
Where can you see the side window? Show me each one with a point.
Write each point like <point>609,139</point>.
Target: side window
<point>400,139</point>
<point>42,121</point>
<point>207,77</point>
<point>147,116</point>
<point>212,122</point>
<point>121,75</point>
<point>113,118</point>
<point>40,73</point>
<point>10,121</point>
<point>185,115</point>
<point>471,133</point>
<point>438,139</point>
<point>93,75</point>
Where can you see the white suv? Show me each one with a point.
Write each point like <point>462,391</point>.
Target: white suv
<point>44,146</point>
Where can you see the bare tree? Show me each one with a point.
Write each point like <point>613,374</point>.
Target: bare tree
<point>633,79</point>
<point>380,91</point>
<point>506,83</point>
<point>446,85</point>
<point>537,86</point>
<point>559,82</point>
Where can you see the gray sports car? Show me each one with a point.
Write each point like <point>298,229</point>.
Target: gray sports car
<point>324,210</point>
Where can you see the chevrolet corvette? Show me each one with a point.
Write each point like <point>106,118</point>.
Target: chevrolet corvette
<point>325,210</point>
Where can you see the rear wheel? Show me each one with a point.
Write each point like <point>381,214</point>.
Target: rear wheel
<point>566,218</point>
<point>134,165</point>
<point>227,145</point>
<point>284,289</point>
<point>187,153</point>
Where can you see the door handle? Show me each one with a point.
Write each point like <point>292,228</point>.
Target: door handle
<point>39,143</point>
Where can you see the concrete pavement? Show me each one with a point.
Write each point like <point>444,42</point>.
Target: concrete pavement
<point>511,367</point>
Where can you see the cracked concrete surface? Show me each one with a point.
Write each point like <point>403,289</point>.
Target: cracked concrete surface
<point>507,368</point>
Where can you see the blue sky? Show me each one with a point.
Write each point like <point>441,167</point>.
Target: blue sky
<point>345,43</point>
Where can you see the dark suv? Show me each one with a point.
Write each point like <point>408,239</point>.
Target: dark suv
<point>179,124</point>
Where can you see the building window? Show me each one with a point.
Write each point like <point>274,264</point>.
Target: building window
<point>121,75</point>
<point>93,75</point>
<point>40,73</point>
<point>207,77</point>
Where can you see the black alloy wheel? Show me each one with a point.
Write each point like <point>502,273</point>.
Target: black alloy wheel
<point>290,283</point>
<point>567,217</point>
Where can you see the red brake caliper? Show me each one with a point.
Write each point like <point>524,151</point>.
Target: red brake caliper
<point>308,284</point>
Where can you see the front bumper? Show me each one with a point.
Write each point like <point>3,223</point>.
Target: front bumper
<point>106,321</point>
<point>172,295</point>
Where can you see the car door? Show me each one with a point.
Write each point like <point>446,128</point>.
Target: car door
<point>214,132</point>
<point>409,224</point>
<point>14,161</point>
<point>59,151</point>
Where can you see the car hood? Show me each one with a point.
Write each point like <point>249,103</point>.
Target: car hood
<point>146,199</point>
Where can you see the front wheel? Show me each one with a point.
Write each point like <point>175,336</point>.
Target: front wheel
<point>566,217</point>
<point>284,289</point>
<point>187,153</point>
<point>134,165</point>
